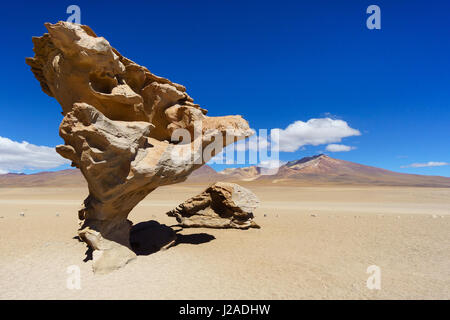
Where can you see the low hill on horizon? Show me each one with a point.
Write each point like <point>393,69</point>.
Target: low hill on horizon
<point>316,170</point>
<point>62,178</point>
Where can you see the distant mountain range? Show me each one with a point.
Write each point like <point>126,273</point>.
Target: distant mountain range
<point>316,170</point>
<point>322,169</point>
<point>63,178</point>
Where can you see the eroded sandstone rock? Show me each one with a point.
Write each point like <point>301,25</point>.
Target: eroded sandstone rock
<point>120,129</point>
<point>221,205</point>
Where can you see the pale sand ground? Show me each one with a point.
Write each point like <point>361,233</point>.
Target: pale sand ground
<point>293,256</point>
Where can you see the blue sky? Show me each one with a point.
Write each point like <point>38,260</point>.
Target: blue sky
<point>275,63</point>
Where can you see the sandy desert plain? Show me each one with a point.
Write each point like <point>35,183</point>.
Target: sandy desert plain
<point>316,242</point>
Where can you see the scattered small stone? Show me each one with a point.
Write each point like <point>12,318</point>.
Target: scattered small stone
<point>313,215</point>
<point>57,214</point>
<point>22,214</point>
<point>434,216</point>
<point>265,215</point>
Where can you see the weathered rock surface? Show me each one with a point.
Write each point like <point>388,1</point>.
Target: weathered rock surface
<point>120,129</point>
<point>222,205</point>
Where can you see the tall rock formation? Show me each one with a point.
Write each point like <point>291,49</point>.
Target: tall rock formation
<point>122,128</point>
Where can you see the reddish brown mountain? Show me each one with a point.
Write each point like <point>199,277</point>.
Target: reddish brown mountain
<point>204,174</point>
<point>63,178</point>
<point>244,174</point>
<point>322,169</point>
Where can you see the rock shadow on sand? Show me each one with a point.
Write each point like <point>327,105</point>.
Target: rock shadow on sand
<point>149,237</point>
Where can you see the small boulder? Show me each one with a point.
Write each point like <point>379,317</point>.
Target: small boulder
<point>221,205</point>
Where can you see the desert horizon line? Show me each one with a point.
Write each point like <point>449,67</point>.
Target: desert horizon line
<point>244,166</point>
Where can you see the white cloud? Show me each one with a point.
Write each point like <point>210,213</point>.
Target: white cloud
<point>339,148</point>
<point>427,164</point>
<point>313,132</point>
<point>294,137</point>
<point>275,163</point>
<point>18,156</point>
<point>3,171</point>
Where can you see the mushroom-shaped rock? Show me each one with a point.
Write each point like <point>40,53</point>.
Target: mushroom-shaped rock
<point>127,130</point>
<point>221,205</point>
